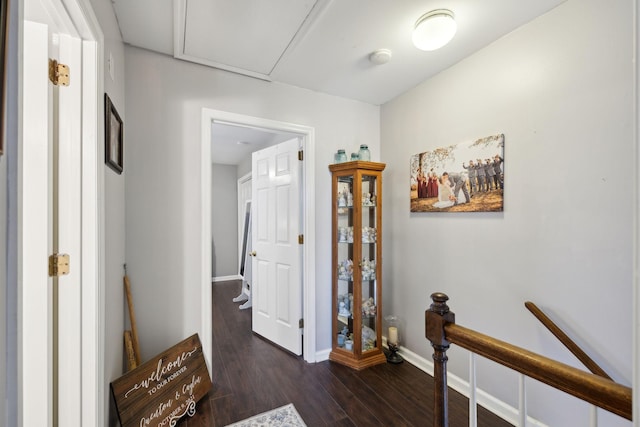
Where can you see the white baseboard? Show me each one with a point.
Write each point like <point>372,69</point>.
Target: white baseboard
<point>489,402</point>
<point>226,278</point>
<point>322,355</point>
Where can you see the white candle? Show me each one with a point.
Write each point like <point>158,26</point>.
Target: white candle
<point>393,335</point>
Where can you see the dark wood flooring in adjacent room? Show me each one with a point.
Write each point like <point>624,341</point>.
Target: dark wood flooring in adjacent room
<point>251,376</point>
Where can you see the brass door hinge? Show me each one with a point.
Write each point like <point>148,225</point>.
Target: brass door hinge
<point>300,239</point>
<point>301,323</point>
<point>58,73</point>
<point>300,155</point>
<point>58,265</point>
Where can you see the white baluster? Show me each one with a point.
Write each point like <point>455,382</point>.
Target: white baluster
<point>593,416</point>
<point>473,411</point>
<point>522,402</point>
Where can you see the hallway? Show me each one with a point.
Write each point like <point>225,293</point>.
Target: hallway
<point>251,376</point>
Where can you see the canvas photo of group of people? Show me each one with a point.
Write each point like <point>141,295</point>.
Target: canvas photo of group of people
<point>466,177</point>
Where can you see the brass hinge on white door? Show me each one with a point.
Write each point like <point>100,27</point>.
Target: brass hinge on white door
<point>58,265</point>
<point>301,323</point>
<point>300,239</point>
<point>300,155</point>
<point>58,73</point>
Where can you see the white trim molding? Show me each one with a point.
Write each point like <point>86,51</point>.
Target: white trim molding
<point>226,278</point>
<point>636,219</point>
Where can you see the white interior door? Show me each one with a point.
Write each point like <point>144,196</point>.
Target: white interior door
<point>50,186</point>
<point>277,278</point>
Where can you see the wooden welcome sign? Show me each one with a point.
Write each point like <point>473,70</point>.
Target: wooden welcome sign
<point>164,389</point>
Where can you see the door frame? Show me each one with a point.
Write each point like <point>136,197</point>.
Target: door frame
<point>77,18</point>
<point>307,134</point>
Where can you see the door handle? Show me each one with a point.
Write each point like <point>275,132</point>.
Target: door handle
<point>252,253</point>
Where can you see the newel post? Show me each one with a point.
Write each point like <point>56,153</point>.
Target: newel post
<point>435,319</point>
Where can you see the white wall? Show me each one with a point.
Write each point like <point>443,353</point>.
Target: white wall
<point>224,220</point>
<point>244,167</point>
<point>165,98</point>
<point>560,89</point>
<point>114,221</point>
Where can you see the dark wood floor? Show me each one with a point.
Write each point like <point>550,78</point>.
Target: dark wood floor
<point>250,376</point>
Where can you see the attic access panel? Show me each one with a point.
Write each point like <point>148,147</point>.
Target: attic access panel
<point>249,35</point>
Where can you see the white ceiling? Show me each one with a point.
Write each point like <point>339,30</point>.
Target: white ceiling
<point>321,45</point>
<point>231,144</point>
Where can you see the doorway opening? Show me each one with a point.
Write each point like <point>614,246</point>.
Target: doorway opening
<point>232,147</point>
<point>307,207</point>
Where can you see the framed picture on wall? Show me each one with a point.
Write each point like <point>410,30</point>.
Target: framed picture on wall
<point>114,131</point>
<point>464,177</point>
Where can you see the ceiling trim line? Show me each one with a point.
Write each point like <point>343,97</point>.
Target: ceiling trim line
<point>223,67</point>
<point>318,9</point>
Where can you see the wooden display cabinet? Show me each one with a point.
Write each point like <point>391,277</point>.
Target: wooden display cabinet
<point>356,264</point>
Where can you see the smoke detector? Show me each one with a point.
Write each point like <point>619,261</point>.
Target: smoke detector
<point>380,56</point>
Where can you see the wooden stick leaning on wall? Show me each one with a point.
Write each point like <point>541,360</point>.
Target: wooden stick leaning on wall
<point>132,318</point>
<point>128,348</point>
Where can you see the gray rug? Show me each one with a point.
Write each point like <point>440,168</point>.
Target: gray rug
<point>285,416</point>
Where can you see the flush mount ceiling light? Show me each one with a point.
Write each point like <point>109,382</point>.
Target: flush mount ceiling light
<point>434,29</point>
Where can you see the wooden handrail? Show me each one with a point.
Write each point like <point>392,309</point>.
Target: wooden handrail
<point>574,348</point>
<point>441,330</point>
<point>589,387</point>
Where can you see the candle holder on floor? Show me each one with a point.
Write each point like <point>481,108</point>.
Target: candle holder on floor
<point>393,356</point>
<point>393,339</point>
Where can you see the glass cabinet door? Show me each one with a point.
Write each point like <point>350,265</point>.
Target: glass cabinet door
<point>344,303</point>
<point>367,263</point>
